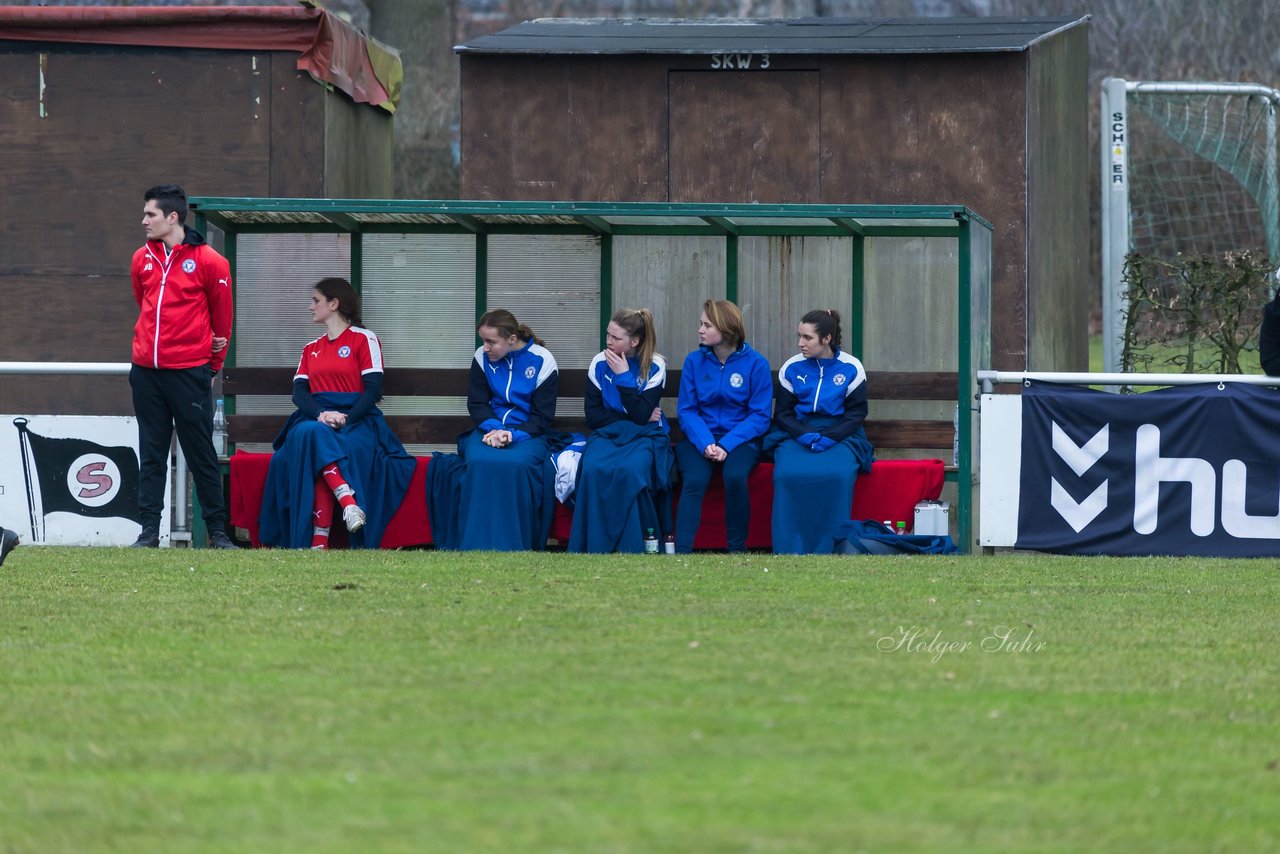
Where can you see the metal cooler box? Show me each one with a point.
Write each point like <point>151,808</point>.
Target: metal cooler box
<point>932,518</point>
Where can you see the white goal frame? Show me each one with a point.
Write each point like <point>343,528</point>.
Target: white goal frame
<point>1117,234</point>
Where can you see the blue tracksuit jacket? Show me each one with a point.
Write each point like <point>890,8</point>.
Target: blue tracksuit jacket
<point>727,404</point>
<point>614,397</point>
<point>835,388</point>
<point>517,392</point>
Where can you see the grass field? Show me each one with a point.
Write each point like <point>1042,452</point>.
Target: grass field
<point>1249,360</point>
<point>276,701</point>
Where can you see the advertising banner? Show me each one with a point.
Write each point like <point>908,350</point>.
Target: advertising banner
<point>71,480</point>
<point>1188,470</point>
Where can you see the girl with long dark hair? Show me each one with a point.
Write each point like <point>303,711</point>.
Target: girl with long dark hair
<point>818,443</point>
<point>336,456</point>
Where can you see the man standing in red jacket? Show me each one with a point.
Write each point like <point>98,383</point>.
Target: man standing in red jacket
<point>183,290</point>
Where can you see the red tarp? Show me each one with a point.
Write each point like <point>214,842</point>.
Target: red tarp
<point>329,49</point>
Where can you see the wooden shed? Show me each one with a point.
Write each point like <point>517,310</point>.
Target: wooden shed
<point>100,103</point>
<point>984,112</point>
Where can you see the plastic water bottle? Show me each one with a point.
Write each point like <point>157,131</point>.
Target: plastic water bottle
<point>650,542</point>
<point>220,430</point>
<point>669,544</point>
<point>901,529</point>
<point>955,436</point>
<point>888,523</point>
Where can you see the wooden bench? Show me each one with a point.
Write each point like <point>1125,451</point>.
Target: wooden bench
<point>895,434</point>
<point>911,482</point>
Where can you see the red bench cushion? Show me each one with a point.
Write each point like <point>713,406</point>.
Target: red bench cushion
<point>890,491</point>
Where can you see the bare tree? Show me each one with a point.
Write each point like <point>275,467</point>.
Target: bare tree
<point>426,126</point>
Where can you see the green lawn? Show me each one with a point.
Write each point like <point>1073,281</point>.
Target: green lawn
<point>1249,363</point>
<point>277,701</point>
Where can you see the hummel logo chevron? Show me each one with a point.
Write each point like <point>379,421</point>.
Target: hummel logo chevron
<point>1078,515</point>
<point>1080,458</point>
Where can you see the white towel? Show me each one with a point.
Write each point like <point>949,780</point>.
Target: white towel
<point>566,462</point>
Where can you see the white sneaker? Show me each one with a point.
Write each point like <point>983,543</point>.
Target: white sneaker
<point>353,516</point>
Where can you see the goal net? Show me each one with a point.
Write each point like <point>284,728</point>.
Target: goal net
<point>1188,168</point>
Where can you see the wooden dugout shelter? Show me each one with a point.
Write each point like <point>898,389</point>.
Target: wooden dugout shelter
<point>990,113</point>
<point>426,270</point>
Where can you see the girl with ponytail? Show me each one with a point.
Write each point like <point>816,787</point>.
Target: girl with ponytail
<point>818,443</point>
<point>624,481</point>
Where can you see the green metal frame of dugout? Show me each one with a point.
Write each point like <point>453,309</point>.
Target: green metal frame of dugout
<point>914,279</point>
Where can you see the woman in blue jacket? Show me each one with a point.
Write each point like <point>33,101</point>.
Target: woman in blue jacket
<point>818,442</point>
<point>498,493</point>
<point>726,391</point>
<point>624,477</point>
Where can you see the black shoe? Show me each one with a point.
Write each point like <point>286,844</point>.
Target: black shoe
<point>220,540</point>
<point>148,539</point>
<point>8,539</point>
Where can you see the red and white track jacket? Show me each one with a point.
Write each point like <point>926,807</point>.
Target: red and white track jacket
<point>184,300</point>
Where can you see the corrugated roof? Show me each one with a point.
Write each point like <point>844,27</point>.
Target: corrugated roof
<point>646,218</point>
<point>799,36</point>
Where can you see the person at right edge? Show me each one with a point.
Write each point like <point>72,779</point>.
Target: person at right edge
<point>183,290</point>
<point>1269,338</point>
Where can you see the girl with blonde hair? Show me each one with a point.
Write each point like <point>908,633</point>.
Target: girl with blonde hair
<point>624,476</point>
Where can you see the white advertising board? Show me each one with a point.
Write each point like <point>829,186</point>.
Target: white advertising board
<point>72,480</point>
<point>1000,456</point>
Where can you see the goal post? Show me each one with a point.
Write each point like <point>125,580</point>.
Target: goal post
<point>1225,134</point>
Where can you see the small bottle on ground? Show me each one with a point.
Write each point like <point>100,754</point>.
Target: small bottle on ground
<point>650,542</point>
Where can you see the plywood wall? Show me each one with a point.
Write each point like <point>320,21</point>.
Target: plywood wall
<point>838,129</point>
<point>87,129</point>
